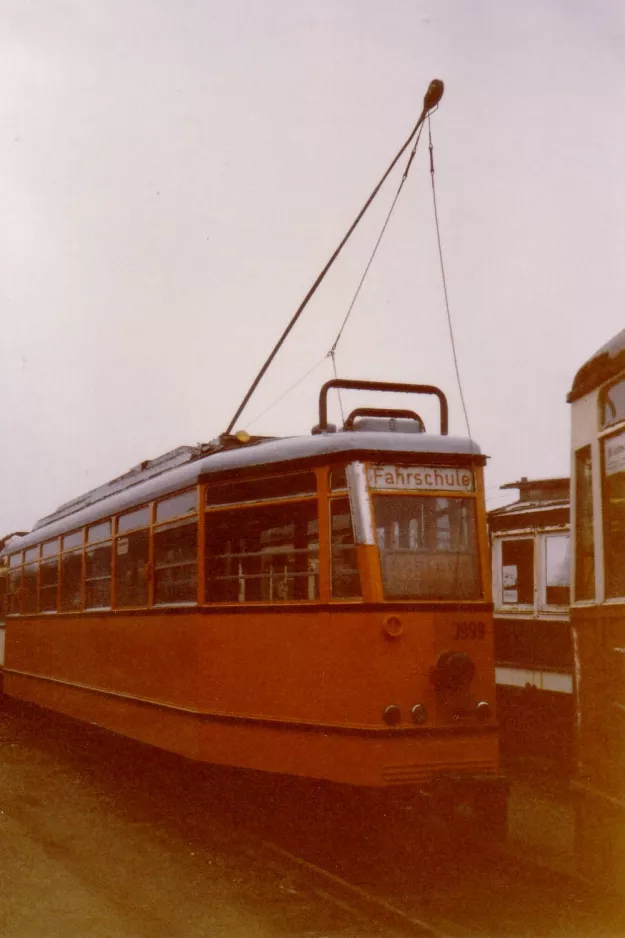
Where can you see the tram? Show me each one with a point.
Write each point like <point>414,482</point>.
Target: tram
<point>317,606</point>
<point>597,399</point>
<point>530,544</point>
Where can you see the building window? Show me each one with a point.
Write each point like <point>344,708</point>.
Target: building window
<point>517,572</point>
<point>557,570</point>
<point>175,563</point>
<point>344,559</point>
<point>269,553</point>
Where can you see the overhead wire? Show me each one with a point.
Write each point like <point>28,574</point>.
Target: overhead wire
<point>377,244</point>
<point>332,352</point>
<point>288,391</point>
<point>442,266</point>
<point>432,97</point>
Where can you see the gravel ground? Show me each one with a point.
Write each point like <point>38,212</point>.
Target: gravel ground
<point>82,856</point>
<point>101,837</point>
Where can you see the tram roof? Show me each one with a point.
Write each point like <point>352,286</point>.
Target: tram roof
<point>606,363</point>
<point>158,477</point>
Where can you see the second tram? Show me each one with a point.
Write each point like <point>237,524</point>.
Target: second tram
<point>597,399</point>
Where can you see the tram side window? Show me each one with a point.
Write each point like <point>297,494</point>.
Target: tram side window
<point>338,478</point>
<point>268,553</point>
<point>71,577</point>
<point>131,559</point>
<point>612,404</point>
<point>98,556</point>
<point>175,563</point>
<point>14,591</point>
<point>614,514</point>
<point>29,602</point>
<point>3,593</point>
<point>557,562</point>
<point>48,582</point>
<point>344,560</point>
<point>517,572</point>
<point>98,576</point>
<point>584,532</point>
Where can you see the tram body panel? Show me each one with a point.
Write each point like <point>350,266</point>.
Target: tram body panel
<point>200,684</point>
<point>317,606</point>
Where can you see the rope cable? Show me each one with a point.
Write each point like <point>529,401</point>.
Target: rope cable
<point>377,243</point>
<point>331,354</point>
<point>442,265</point>
<point>432,97</point>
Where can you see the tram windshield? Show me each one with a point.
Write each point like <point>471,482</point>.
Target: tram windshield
<point>428,546</point>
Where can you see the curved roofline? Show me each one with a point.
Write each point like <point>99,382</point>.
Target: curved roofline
<point>288,453</point>
<point>606,363</point>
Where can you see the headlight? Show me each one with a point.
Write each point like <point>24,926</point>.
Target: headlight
<point>393,626</point>
<point>419,714</point>
<point>392,715</point>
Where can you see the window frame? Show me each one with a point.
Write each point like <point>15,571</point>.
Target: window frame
<point>579,455</point>
<point>609,433</point>
<point>126,534</point>
<point>171,523</point>
<point>250,506</point>
<point>540,608</point>
<point>543,537</point>
<point>501,607</point>
<point>467,496</point>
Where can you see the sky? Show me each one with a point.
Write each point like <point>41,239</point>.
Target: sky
<point>174,175</point>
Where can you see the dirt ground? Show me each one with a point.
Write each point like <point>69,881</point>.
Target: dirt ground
<point>84,856</point>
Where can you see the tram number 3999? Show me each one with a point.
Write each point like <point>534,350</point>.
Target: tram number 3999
<point>463,630</point>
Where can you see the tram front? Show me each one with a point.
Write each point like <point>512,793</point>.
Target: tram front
<point>420,537</point>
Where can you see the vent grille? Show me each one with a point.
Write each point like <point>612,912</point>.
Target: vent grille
<point>420,772</point>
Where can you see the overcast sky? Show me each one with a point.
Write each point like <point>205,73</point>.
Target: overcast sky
<point>173,175</point>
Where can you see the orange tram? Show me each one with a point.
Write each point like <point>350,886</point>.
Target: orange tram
<point>317,606</point>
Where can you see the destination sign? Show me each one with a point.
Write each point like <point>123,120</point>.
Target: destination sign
<point>420,478</point>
